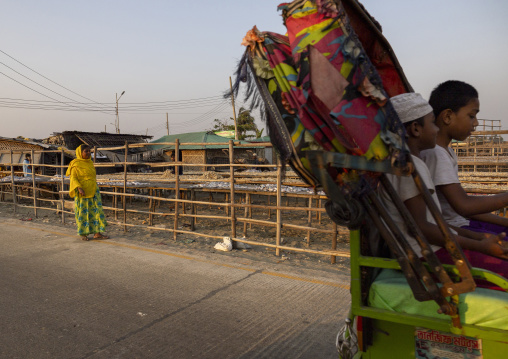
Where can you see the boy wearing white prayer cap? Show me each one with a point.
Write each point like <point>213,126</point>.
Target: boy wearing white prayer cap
<point>418,117</point>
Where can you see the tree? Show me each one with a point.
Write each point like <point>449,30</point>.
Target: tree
<point>247,128</point>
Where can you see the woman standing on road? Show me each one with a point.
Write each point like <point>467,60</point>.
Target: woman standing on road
<point>87,198</point>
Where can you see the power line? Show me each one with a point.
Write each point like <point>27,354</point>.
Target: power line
<point>182,104</point>
<point>29,79</point>
<point>40,93</point>
<point>75,93</point>
<point>189,123</point>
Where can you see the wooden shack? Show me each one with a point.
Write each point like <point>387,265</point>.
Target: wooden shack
<point>20,147</point>
<point>195,150</point>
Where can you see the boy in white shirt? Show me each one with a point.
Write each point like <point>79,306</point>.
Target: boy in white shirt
<point>418,117</point>
<point>456,105</point>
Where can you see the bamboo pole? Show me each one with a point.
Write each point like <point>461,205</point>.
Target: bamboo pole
<point>12,184</point>
<point>232,189</point>
<point>115,202</point>
<point>183,195</point>
<point>34,192</point>
<point>150,216</point>
<point>312,229</point>
<point>62,194</point>
<point>309,220</point>
<point>334,243</point>
<point>247,200</point>
<point>319,213</point>
<point>279,200</point>
<point>344,254</point>
<point>177,186</point>
<point>250,209</point>
<point>193,210</point>
<point>124,202</point>
<point>269,208</point>
<point>195,204</point>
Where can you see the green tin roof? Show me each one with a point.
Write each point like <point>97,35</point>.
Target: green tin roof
<point>193,137</point>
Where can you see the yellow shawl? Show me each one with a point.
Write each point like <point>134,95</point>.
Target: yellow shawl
<point>82,173</point>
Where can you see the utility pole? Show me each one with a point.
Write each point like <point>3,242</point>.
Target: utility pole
<point>234,111</point>
<point>167,122</point>
<point>117,122</point>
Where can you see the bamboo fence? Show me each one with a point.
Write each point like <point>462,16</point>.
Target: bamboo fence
<point>234,200</point>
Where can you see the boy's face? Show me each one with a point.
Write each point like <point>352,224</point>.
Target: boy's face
<point>464,121</point>
<point>428,132</point>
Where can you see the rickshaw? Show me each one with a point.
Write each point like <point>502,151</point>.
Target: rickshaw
<point>324,90</point>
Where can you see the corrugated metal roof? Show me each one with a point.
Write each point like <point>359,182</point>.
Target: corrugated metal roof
<point>22,142</point>
<point>194,137</point>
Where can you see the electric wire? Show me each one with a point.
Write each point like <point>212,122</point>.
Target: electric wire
<point>40,93</point>
<point>75,93</point>
<point>134,106</point>
<point>35,82</point>
<point>139,108</point>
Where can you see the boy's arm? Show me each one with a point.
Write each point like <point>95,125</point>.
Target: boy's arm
<point>468,206</point>
<point>490,244</point>
<point>491,218</point>
<point>469,234</point>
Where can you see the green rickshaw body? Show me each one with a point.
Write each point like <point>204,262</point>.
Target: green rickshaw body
<point>402,327</point>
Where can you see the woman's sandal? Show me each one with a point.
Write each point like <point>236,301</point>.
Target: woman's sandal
<point>84,238</point>
<point>100,236</point>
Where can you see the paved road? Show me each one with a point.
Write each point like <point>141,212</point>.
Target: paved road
<point>65,298</point>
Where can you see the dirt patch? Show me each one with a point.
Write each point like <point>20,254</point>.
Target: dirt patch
<point>155,231</point>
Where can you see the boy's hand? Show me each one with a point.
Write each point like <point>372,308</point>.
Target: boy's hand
<point>493,245</point>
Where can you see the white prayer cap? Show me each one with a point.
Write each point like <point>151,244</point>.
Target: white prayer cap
<point>410,106</point>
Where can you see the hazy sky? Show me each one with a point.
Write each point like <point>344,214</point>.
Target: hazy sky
<point>62,62</point>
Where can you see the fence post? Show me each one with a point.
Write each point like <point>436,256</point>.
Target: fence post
<point>34,192</point>
<point>247,207</point>
<point>12,184</point>
<point>334,242</point>
<point>232,188</point>
<point>193,210</point>
<point>62,194</point>
<point>309,220</point>
<point>177,186</point>
<point>150,204</point>
<point>279,202</point>
<point>124,199</point>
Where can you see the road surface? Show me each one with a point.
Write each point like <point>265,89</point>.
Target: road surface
<point>66,298</point>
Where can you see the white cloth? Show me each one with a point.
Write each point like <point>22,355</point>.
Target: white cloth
<point>27,168</point>
<point>406,188</point>
<point>444,169</point>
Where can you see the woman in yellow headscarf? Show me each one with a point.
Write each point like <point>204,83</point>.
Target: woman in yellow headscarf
<point>87,198</point>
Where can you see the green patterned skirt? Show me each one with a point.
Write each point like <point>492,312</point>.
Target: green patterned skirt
<point>90,217</point>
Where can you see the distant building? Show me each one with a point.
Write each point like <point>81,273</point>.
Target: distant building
<point>201,148</point>
<point>21,147</point>
<point>73,139</point>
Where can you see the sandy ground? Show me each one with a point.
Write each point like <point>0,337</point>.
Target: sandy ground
<point>156,238</point>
